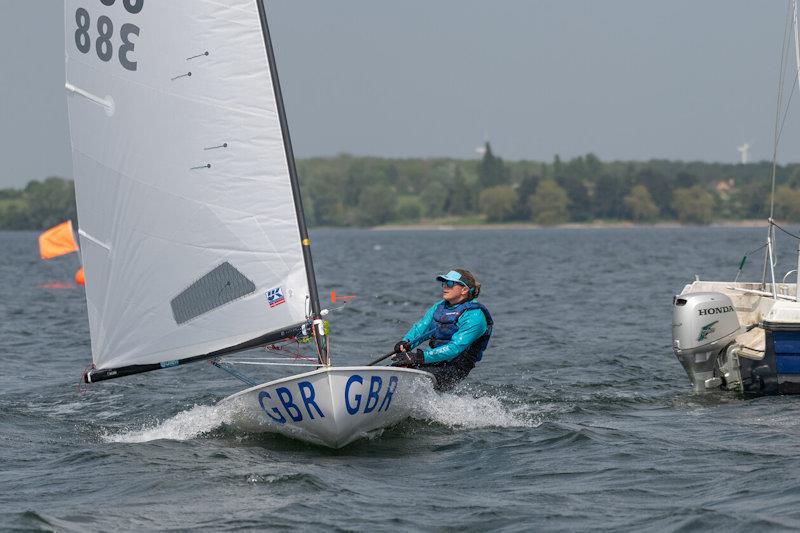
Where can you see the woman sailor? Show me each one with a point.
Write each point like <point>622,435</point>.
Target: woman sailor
<point>457,328</point>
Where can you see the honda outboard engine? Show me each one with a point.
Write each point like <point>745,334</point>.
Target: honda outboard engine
<point>703,324</point>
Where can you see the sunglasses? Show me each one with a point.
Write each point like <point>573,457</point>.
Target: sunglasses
<point>450,284</point>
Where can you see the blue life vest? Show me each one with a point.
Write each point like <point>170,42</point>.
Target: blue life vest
<point>445,324</point>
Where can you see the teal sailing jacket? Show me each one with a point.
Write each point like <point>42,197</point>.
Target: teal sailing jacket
<point>471,326</point>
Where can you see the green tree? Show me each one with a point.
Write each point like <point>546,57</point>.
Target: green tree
<point>660,188</point>
<point>526,188</point>
<point>461,194</point>
<point>693,205</point>
<point>492,171</point>
<point>640,204</point>
<point>593,165</point>
<point>324,200</point>
<point>10,194</point>
<point>787,203</point>
<point>433,197</point>
<point>51,202</point>
<point>609,194</point>
<point>498,203</point>
<point>549,204</point>
<point>580,205</point>
<point>751,200</point>
<point>558,167</point>
<point>408,209</point>
<point>15,215</point>
<point>685,180</point>
<point>375,206</point>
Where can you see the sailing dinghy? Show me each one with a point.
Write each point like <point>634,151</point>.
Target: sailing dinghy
<point>745,336</point>
<point>192,231</point>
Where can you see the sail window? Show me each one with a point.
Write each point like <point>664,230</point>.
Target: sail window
<point>220,286</point>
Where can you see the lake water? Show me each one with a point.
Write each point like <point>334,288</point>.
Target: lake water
<point>578,418</point>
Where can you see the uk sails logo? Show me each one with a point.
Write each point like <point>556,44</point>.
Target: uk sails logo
<point>275,297</point>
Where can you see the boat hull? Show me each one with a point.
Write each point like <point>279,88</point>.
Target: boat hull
<point>779,371</point>
<point>332,406</point>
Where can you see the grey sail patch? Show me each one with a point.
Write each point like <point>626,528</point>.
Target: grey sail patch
<point>220,286</point>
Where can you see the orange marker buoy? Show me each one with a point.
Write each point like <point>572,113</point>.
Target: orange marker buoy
<point>79,277</point>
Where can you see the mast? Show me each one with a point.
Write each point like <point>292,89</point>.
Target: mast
<point>287,144</point>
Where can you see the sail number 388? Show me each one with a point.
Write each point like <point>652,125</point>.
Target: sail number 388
<point>103,44</point>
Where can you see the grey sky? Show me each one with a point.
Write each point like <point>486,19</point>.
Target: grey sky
<point>624,79</point>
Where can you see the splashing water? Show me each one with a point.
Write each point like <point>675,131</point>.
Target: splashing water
<point>449,409</point>
<point>185,425</point>
<point>471,412</point>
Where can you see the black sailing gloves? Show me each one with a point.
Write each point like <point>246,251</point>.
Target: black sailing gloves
<point>415,358</point>
<point>402,346</point>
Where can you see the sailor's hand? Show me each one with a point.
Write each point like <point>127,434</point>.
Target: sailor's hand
<point>415,358</point>
<point>400,359</point>
<point>402,346</point>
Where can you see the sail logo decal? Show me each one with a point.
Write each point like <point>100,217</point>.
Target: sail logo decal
<point>275,297</point>
<point>707,330</point>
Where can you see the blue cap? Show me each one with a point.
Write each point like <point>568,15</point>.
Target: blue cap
<point>451,276</point>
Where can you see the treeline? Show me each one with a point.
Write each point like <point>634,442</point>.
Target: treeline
<point>368,191</point>
<point>364,191</point>
<point>39,205</point>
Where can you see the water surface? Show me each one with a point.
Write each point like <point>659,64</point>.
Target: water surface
<point>579,417</point>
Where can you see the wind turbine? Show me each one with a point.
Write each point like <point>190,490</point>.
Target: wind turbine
<point>744,150</point>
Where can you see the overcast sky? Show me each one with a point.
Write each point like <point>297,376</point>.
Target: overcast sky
<point>623,79</point>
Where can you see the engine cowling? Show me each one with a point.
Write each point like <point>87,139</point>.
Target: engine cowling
<point>703,323</point>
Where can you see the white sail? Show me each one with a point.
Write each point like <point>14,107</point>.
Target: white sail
<point>189,231</point>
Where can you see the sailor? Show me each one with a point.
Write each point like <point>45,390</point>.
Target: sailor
<point>457,328</point>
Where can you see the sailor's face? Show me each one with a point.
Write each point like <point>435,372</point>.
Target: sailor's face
<point>454,293</point>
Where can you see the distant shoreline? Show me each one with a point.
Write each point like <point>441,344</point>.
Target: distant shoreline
<point>433,226</point>
<point>599,224</point>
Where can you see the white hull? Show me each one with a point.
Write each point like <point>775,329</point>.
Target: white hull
<point>332,406</point>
